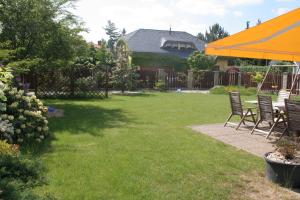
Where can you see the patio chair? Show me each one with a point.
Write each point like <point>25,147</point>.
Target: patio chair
<point>282,95</point>
<point>292,109</point>
<point>267,114</point>
<point>237,109</point>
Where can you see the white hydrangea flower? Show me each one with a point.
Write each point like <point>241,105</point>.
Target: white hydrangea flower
<point>4,116</point>
<point>6,127</point>
<point>10,117</point>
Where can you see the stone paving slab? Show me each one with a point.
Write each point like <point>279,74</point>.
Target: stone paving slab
<point>256,143</point>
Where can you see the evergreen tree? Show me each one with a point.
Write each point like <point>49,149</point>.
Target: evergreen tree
<point>214,33</point>
<point>123,74</point>
<point>112,31</point>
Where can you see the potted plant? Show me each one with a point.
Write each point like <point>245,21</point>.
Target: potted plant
<point>283,165</point>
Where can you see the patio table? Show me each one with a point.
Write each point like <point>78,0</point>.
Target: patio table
<point>252,101</point>
<point>279,106</point>
<point>276,106</point>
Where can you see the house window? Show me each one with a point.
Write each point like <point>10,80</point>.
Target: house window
<point>178,45</point>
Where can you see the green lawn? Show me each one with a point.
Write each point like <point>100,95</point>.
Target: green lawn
<point>139,147</point>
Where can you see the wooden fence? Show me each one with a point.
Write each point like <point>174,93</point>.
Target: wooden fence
<point>209,79</point>
<point>176,80</point>
<point>65,83</point>
<point>81,82</point>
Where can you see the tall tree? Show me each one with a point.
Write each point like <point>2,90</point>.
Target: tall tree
<point>112,31</point>
<point>200,61</point>
<point>123,74</point>
<point>40,32</point>
<point>214,33</point>
<point>106,62</point>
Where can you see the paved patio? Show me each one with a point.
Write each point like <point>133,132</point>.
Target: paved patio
<point>256,144</point>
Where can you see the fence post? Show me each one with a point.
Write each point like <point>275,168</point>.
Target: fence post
<point>190,80</point>
<point>161,74</point>
<point>239,79</point>
<point>72,83</point>
<point>216,78</point>
<point>284,80</point>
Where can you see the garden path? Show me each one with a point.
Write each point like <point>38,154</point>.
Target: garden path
<point>255,144</point>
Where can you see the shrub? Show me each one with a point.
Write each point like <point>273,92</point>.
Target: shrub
<point>181,78</point>
<point>198,76</point>
<point>200,61</point>
<point>6,129</point>
<point>5,75</point>
<point>8,149</point>
<point>226,89</point>
<point>160,86</point>
<point>27,116</point>
<point>18,176</point>
<point>258,77</point>
<point>287,148</point>
<point>86,83</point>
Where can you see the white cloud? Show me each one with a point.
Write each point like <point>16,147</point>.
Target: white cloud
<point>238,13</point>
<point>244,2</point>
<point>201,7</point>
<point>286,1</point>
<point>280,11</point>
<point>187,15</point>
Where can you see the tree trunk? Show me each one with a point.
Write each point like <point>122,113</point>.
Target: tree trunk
<point>106,81</point>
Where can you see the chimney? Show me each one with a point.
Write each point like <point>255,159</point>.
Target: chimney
<point>170,32</point>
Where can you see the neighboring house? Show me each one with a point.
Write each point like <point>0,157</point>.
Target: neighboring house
<point>154,49</point>
<point>96,46</point>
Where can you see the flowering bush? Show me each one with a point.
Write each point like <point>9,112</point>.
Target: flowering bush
<point>6,129</point>
<point>27,116</point>
<point>8,149</point>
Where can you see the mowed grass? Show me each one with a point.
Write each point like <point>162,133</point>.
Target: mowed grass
<point>140,147</point>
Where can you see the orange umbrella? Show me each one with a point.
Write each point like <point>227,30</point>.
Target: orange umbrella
<point>276,39</point>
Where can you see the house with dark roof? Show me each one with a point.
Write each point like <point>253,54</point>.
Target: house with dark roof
<point>153,49</point>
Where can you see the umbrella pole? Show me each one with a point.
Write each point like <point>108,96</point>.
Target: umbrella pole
<point>295,78</point>
<point>259,89</point>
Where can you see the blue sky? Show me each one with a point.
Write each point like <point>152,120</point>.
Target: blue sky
<point>193,16</point>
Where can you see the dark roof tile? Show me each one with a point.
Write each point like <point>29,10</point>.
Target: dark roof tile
<point>150,41</point>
